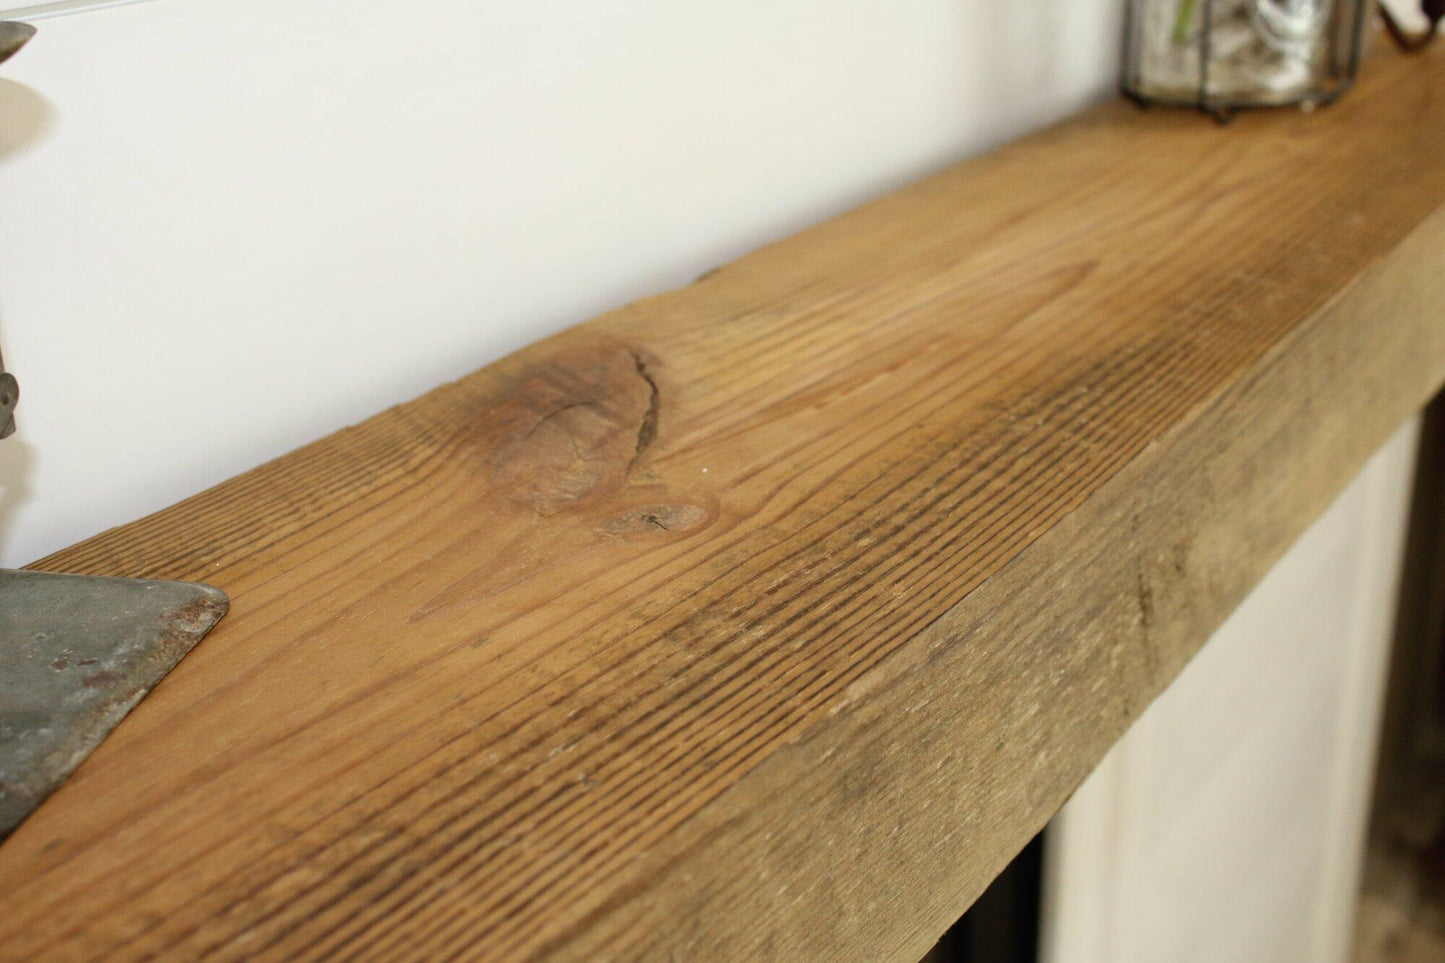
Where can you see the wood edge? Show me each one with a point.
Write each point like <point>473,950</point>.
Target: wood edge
<point>1136,616</point>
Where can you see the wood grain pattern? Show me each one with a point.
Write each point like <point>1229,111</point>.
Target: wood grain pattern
<point>766,618</point>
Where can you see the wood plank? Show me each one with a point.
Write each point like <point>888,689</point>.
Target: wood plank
<point>766,618</point>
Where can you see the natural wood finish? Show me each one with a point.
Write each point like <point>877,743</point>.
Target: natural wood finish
<point>766,618</point>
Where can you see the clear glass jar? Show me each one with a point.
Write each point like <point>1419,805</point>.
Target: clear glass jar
<point>1223,55</point>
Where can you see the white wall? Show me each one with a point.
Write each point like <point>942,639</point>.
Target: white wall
<point>228,227</point>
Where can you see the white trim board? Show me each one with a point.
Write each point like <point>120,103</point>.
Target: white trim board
<point>1228,824</point>
<point>60,8</point>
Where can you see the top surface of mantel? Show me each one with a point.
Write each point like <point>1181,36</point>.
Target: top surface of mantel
<point>767,617</point>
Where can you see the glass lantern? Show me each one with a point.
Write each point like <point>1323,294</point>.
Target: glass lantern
<point>1224,55</point>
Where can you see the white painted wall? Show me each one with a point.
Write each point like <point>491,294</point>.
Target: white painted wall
<point>228,227</point>
<point>1228,824</point>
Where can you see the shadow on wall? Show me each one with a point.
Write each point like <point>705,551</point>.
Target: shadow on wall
<point>17,467</point>
<point>17,462</point>
<point>1023,63</point>
<point>25,117</point>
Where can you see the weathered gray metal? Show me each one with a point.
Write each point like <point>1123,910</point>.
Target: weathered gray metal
<point>13,36</point>
<point>9,395</point>
<point>77,653</point>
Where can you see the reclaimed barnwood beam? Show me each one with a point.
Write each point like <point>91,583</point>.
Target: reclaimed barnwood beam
<point>769,617</point>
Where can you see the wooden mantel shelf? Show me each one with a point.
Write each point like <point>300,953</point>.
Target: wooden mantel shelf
<point>767,618</point>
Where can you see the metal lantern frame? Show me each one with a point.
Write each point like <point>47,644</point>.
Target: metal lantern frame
<point>1342,64</point>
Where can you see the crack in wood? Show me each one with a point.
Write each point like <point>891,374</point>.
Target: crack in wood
<point>647,430</point>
